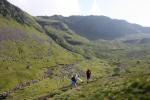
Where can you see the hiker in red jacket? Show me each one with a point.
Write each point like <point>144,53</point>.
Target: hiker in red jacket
<point>88,75</point>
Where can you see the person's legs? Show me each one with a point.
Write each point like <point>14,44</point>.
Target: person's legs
<point>74,84</point>
<point>88,78</point>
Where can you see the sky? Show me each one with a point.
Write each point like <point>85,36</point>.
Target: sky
<point>134,11</point>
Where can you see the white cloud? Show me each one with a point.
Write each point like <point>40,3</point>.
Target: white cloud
<point>135,11</point>
<point>49,7</point>
<point>20,3</point>
<point>95,10</point>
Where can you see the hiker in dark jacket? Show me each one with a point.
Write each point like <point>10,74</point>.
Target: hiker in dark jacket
<point>74,81</point>
<point>88,75</point>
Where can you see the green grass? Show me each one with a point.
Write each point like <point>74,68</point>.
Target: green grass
<point>39,89</point>
<point>59,80</point>
<point>118,88</point>
<point>41,52</point>
<point>99,68</point>
<point>36,49</point>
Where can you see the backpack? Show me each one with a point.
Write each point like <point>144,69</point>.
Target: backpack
<point>73,79</point>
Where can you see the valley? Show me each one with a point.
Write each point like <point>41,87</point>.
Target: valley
<point>39,54</point>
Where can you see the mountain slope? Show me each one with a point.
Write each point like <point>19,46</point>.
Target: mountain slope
<point>10,11</point>
<point>101,27</point>
<point>25,50</point>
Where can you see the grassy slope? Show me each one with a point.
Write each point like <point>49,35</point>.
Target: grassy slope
<point>117,53</point>
<point>42,53</point>
<point>60,80</point>
<point>35,49</point>
<point>115,88</point>
<point>130,78</point>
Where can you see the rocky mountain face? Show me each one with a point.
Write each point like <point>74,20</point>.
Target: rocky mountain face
<point>101,27</point>
<point>91,27</point>
<point>10,11</point>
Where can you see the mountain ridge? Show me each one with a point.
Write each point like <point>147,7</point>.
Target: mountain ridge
<point>100,27</point>
<point>9,11</point>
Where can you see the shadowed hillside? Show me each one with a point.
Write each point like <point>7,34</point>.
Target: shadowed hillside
<point>101,27</point>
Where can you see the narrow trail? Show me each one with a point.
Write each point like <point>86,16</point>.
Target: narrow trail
<point>81,85</point>
<point>67,88</point>
<point>22,85</point>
